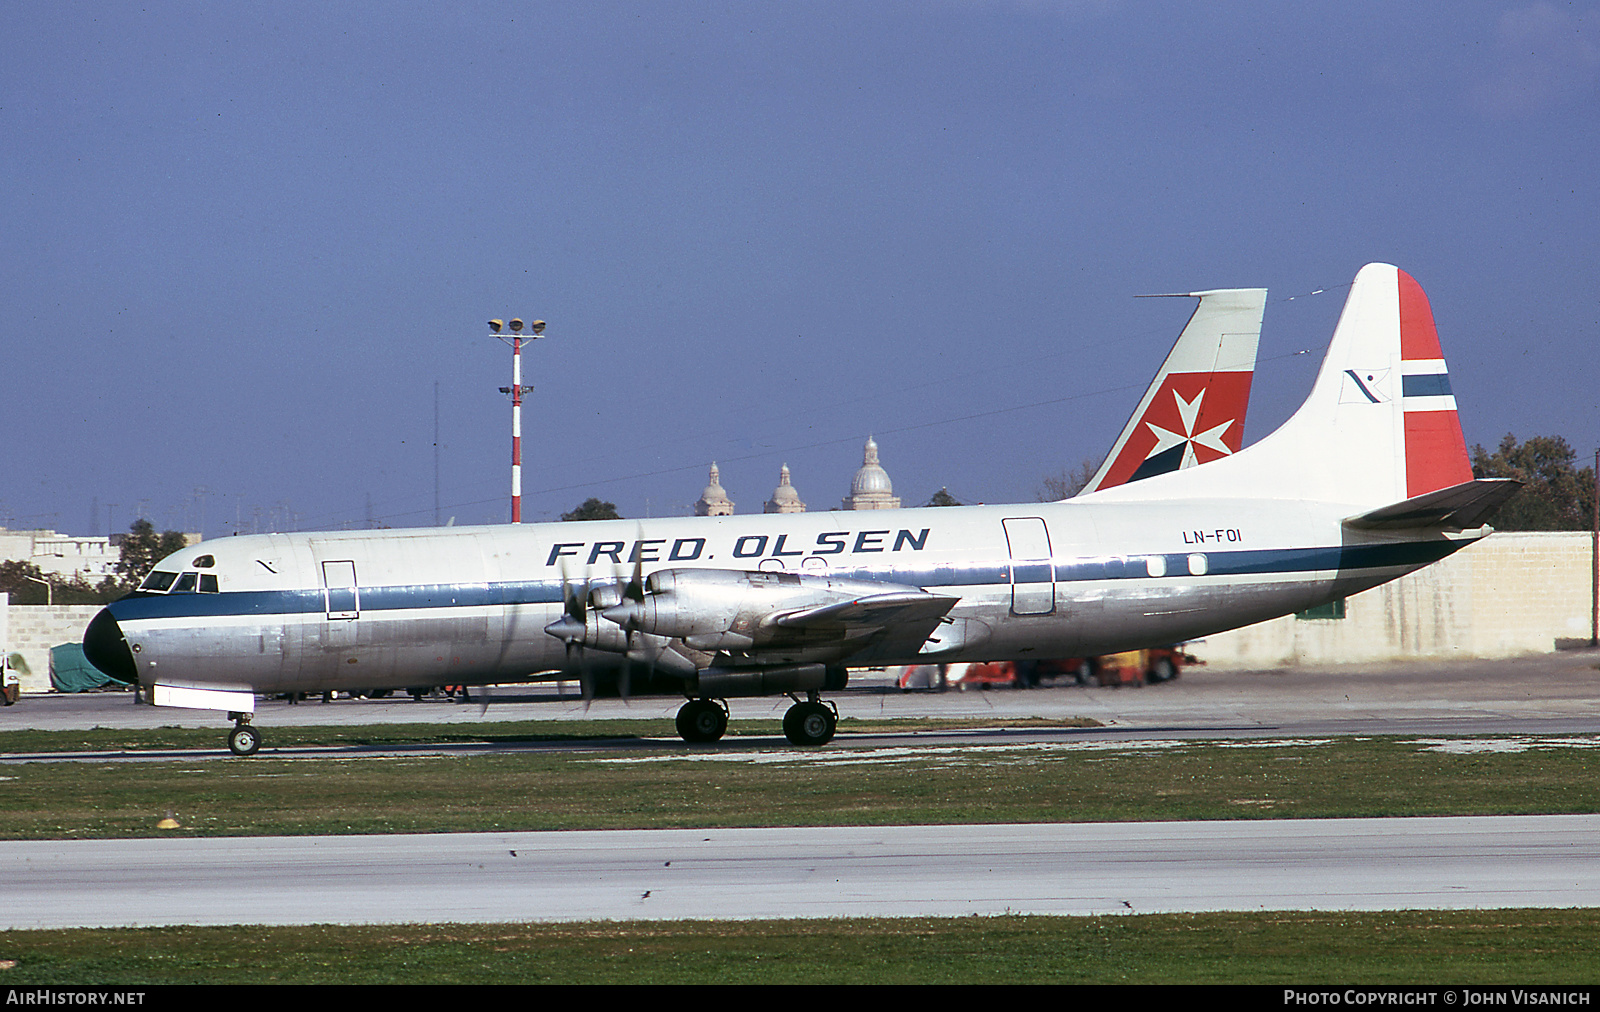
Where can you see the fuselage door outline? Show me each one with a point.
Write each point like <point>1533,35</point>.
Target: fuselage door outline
<point>341,595</point>
<point>1033,571</point>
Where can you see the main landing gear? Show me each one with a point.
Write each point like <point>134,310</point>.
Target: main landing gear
<point>243,740</point>
<point>702,720</point>
<point>812,722</point>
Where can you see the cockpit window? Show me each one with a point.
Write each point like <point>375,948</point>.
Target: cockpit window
<point>185,584</point>
<point>158,581</point>
<point>205,562</point>
<point>208,583</point>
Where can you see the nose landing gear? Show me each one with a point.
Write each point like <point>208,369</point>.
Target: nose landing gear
<point>243,740</point>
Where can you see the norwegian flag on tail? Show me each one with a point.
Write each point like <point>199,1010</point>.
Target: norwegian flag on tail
<point>1436,452</point>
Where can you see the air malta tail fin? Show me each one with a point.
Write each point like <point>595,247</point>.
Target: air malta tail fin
<point>1194,410</point>
<point>1378,429</point>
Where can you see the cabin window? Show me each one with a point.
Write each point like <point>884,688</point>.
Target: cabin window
<point>1156,565</point>
<point>208,583</point>
<point>158,581</point>
<point>1197,565</point>
<point>186,583</point>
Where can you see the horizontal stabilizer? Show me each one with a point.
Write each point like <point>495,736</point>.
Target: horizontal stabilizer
<point>1460,507</point>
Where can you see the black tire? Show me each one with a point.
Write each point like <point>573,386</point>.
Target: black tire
<point>1085,673</point>
<point>701,720</point>
<point>1162,670</point>
<point>809,724</point>
<point>244,740</point>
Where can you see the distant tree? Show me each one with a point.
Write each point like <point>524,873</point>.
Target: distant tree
<point>1066,484</point>
<point>1555,496</point>
<point>944,498</point>
<point>16,579</point>
<point>594,509</point>
<point>142,548</point>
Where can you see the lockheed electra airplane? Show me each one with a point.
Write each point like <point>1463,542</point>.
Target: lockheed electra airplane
<point>1368,480</point>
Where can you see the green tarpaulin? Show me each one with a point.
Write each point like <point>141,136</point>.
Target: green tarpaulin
<point>71,672</point>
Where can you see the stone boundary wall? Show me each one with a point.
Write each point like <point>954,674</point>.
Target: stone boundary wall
<point>1511,593</point>
<point>35,628</point>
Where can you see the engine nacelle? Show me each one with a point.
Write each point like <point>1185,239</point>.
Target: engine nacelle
<point>724,682</point>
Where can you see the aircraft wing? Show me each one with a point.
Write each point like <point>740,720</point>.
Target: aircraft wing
<point>1461,506</point>
<point>761,613</point>
<point>898,621</point>
<point>876,611</point>
<point>892,623</point>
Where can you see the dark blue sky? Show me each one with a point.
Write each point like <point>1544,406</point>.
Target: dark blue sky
<point>242,243</point>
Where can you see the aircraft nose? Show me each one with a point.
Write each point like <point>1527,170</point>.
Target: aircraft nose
<point>105,647</point>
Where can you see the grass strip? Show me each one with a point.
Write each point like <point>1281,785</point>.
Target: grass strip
<point>676,786</point>
<point>1416,947</point>
<point>104,739</point>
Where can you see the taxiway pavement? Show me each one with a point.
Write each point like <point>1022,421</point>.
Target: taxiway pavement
<point>897,871</point>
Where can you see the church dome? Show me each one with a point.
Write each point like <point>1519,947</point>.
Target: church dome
<point>872,479</point>
<point>714,501</point>
<point>784,498</point>
<point>871,488</point>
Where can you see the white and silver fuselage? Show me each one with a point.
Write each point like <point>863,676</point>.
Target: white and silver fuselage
<point>471,605</point>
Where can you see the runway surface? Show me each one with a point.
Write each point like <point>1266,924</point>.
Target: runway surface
<point>1354,864</point>
<point>1350,864</point>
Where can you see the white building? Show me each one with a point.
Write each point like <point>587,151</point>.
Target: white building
<point>62,555</point>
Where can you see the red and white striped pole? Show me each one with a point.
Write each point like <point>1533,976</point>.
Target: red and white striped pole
<point>516,390</point>
<point>516,429</point>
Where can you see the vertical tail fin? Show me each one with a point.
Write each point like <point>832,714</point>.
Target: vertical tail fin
<point>1194,409</point>
<point>1378,427</point>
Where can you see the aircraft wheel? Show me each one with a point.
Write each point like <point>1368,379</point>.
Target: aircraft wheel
<point>1085,672</point>
<point>244,740</point>
<point>809,724</point>
<point>702,720</point>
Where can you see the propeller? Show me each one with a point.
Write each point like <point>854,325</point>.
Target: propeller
<point>633,590</point>
<point>619,601</point>
<point>627,611</point>
<point>571,628</point>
